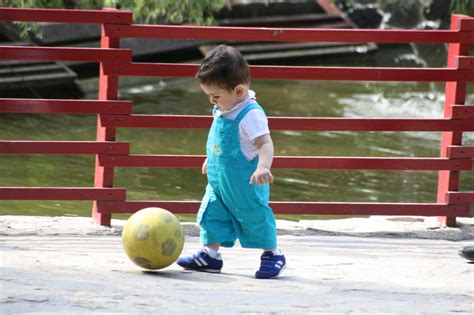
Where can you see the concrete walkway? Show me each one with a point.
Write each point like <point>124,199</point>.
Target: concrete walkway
<point>65,270</point>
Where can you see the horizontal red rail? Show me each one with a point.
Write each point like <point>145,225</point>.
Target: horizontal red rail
<point>295,162</point>
<point>301,73</point>
<point>369,163</point>
<point>38,106</point>
<point>322,208</point>
<point>170,70</point>
<point>66,16</point>
<point>65,54</point>
<point>461,152</point>
<point>288,34</point>
<point>465,62</point>
<point>362,74</point>
<point>460,197</point>
<point>466,23</point>
<point>61,193</point>
<point>63,147</point>
<point>156,121</point>
<point>294,123</point>
<point>370,124</point>
<point>159,161</point>
<point>463,111</point>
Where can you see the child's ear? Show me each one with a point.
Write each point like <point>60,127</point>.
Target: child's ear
<point>239,90</point>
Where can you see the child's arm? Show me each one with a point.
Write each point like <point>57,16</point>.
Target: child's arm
<point>263,174</point>
<point>204,167</point>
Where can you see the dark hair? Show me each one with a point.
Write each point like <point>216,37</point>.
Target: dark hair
<point>224,66</point>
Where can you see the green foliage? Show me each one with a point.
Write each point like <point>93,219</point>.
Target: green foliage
<point>197,12</point>
<point>462,7</point>
<point>189,11</point>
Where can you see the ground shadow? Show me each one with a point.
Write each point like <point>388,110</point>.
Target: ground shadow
<point>187,275</point>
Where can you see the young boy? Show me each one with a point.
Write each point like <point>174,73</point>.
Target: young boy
<point>239,156</point>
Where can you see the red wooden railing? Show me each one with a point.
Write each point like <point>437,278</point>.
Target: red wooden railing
<point>113,114</point>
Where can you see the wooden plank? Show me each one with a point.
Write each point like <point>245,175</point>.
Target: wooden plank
<point>370,124</point>
<point>465,62</point>
<point>133,206</point>
<point>460,197</point>
<point>466,24</point>
<point>66,16</point>
<point>375,163</point>
<point>460,152</point>
<point>463,112</point>
<point>287,34</point>
<point>65,54</point>
<point>44,67</point>
<point>61,193</point>
<point>249,48</point>
<point>422,209</point>
<point>301,73</point>
<point>36,80</point>
<point>294,123</point>
<point>296,207</point>
<point>361,74</point>
<point>329,7</point>
<point>329,50</point>
<point>54,106</point>
<point>157,121</point>
<point>295,162</point>
<point>169,70</point>
<point>63,147</point>
<point>158,161</point>
<point>275,20</point>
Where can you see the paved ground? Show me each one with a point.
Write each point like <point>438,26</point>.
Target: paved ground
<point>72,272</point>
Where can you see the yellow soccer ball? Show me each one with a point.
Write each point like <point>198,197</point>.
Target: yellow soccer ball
<point>153,238</point>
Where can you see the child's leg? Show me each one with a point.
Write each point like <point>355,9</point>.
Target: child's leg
<point>216,228</point>
<point>212,249</point>
<point>216,224</point>
<point>213,246</point>
<point>275,251</point>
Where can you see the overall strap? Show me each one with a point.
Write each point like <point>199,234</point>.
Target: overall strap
<point>215,108</point>
<point>248,108</point>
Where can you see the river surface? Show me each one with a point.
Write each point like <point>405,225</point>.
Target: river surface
<point>279,98</point>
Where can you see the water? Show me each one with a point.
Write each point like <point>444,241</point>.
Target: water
<point>280,98</point>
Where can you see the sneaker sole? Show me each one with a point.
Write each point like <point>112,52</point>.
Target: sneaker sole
<point>275,276</point>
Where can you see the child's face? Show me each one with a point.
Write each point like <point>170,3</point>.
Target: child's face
<point>224,98</point>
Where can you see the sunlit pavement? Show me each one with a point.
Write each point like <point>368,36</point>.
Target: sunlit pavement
<point>326,274</point>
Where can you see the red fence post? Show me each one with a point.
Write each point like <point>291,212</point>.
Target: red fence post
<point>455,93</point>
<point>108,90</point>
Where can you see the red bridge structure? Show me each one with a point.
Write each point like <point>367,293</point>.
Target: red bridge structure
<point>112,113</point>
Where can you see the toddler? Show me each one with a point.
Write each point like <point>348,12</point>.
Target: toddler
<point>239,154</point>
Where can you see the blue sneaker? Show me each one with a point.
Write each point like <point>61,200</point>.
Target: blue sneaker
<point>271,265</point>
<point>201,261</point>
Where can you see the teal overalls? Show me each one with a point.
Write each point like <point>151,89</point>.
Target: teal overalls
<point>231,207</point>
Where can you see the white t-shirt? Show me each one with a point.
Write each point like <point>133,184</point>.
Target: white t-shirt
<point>252,126</point>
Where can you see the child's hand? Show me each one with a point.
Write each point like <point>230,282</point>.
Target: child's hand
<point>204,167</point>
<point>262,175</point>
